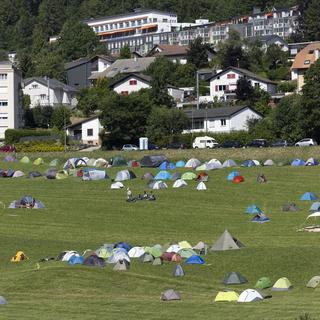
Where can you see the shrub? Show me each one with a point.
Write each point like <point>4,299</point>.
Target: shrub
<point>39,147</point>
<point>14,135</point>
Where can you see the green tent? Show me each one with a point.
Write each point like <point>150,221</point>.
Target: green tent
<point>314,282</point>
<point>189,176</point>
<point>234,278</point>
<point>157,262</point>
<point>61,175</point>
<point>203,167</point>
<point>118,161</point>
<point>155,252</point>
<point>263,283</point>
<point>91,162</point>
<point>187,253</point>
<point>25,159</point>
<point>54,163</point>
<point>282,284</point>
<point>38,161</point>
<point>147,257</point>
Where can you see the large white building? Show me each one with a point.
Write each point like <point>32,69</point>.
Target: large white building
<point>11,110</point>
<point>49,92</point>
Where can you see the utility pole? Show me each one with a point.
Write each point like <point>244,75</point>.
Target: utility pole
<point>48,86</point>
<point>65,129</point>
<point>197,90</point>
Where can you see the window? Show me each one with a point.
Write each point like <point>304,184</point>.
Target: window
<point>306,61</point>
<point>43,96</point>
<point>223,122</point>
<point>222,88</point>
<point>198,124</point>
<point>89,132</point>
<point>3,103</point>
<point>155,19</point>
<point>257,85</point>
<point>34,86</point>
<point>231,76</point>
<point>3,117</point>
<point>165,20</point>
<point>3,76</point>
<point>133,82</point>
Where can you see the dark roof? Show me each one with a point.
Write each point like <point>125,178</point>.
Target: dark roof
<point>168,50</point>
<point>137,12</point>
<point>224,112</point>
<point>82,121</point>
<point>81,61</point>
<point>142,77</point>
<point>245,73</point>
<point>53,83</point>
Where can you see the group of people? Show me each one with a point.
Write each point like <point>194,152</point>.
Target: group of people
<point>145,196</point>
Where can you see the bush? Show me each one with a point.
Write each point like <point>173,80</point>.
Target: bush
<point>13,136</point>
<point>39,147</point>
<point>287,86</point>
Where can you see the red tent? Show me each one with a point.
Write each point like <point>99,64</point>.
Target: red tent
<point>238,179</point>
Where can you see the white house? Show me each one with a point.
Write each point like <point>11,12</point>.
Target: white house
<point>224,83</point>
<point>87,131</point>
<point>11,111</point>
<point>49,92</point>
<point>134,82</point>
<point>218,120</point>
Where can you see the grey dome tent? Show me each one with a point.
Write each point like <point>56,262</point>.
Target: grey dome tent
<point>34,174</point>
<point>201,247</point>
<point>313,282</point>
<point>234,278</point>
<point>51,173</point>
<point>178,271</point>
<point>121,265</point>
<point>175,176</point>
<point>226,242</point>
<point>94,261</point>
<point>229,163</point>
<point>118,161</point>
<point>94,175</point>
<point>148,176</point>
<point>146,257</point>
<point>170,295</point>
<point>156,185</point>
<point>290,207</point>
<point>153,161</point>
<point>125,175</point>
<point>268,162</point>
<point>26,202</point>
<point>157,262</point>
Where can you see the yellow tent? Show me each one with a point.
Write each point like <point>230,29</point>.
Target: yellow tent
<point>282,284</point>
<point>38,161</point>
<point>185,245</point>
<point>226,296</point>
<point>19,256</point>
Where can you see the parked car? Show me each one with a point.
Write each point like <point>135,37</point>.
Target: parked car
<point>8,148</point>
<point>129,147</point>
<point>306,142</point>
<point>176,145</point>
<point>152,146</point>
<point>280,143</point>
<point>258,143</point>
<point>204,142</point>
<point>232,144</point>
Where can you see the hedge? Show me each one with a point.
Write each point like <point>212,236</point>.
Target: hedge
<point>39,147</point>
<point>13,136</point>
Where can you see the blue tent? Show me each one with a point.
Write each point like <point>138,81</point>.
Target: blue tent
<point>3,300</point>
<point>194,259</point>
<point>76,259</point>
<point>178,271</point>
<point>261,218</point>
<point>162,175</point>
<point>298,163</point>
<point>309,196</point>
<point>232,174</point>
<point>253,209</point>
<point>123,245</point>
<point>315,206</point>
<point>248,163</point>
<point>165,165</point>
<point>180,164</point>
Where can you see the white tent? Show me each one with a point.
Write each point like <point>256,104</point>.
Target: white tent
<point>192,163</point>
<point>229,163</point>
<point>124,175</point>
<point>86,159</point>
<point>117,185</point>
<point>68,255</point>
<point>136,252</point>
<point>314,215</point>
<point>268,162</point>
<point>214,165</point>
<point>250,295</point>
<point>159,185</point>
<point>312,162</point>
<point>216,162</point>
<point>91,162</point>
<point>179,183</point>
<point>94,175</point>
<point>119,255</point>
<point>256,162</point>
<point>100,163</point>
<point>18,174</point>
<point>201,186</point>
<point>174,248</point>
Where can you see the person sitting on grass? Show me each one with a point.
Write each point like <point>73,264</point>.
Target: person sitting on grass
<point>145,195</point>
<point>129,195</point>
<point>261,178</point>
<point>152,197</point>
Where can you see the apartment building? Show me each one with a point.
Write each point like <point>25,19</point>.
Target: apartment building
<point>11,111</point>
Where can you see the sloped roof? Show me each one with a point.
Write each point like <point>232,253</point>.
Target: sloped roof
<point>306,54</point>
<point>81,61</point>
<point>53,83</point>
<point>135,65</point>
<point>224,112</point>
<point>82,121</point>
<point>141,77</point>
<point>244,72</point>
<point>169,50</point>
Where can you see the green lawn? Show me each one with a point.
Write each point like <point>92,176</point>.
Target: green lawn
<point>83,215</point>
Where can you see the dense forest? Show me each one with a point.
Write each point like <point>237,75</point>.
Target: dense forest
<point>25,25</point>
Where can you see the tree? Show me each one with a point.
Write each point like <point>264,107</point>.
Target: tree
<point>198,53</point>
<point>61,117</point>
<point>125,52</point>
<point>287,118</point>
<point>184,75</point>
<point>77,40</point>
<point>311,101</point>
<point>41,117</point>
<point>164,123</point>
<point>244,89</point>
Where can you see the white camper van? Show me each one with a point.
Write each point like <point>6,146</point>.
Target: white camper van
<point>204,142</point>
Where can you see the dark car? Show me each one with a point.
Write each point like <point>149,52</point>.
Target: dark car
<point>7,148</point>
<point>152,146</point>
<point>176,145</point>
<point>280,143</point>
<point>258,143</point>
<point>231,144</point>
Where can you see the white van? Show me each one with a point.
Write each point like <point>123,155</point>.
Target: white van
<point>204,142</point>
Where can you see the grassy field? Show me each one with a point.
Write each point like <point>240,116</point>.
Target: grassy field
<point>83,215</point>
